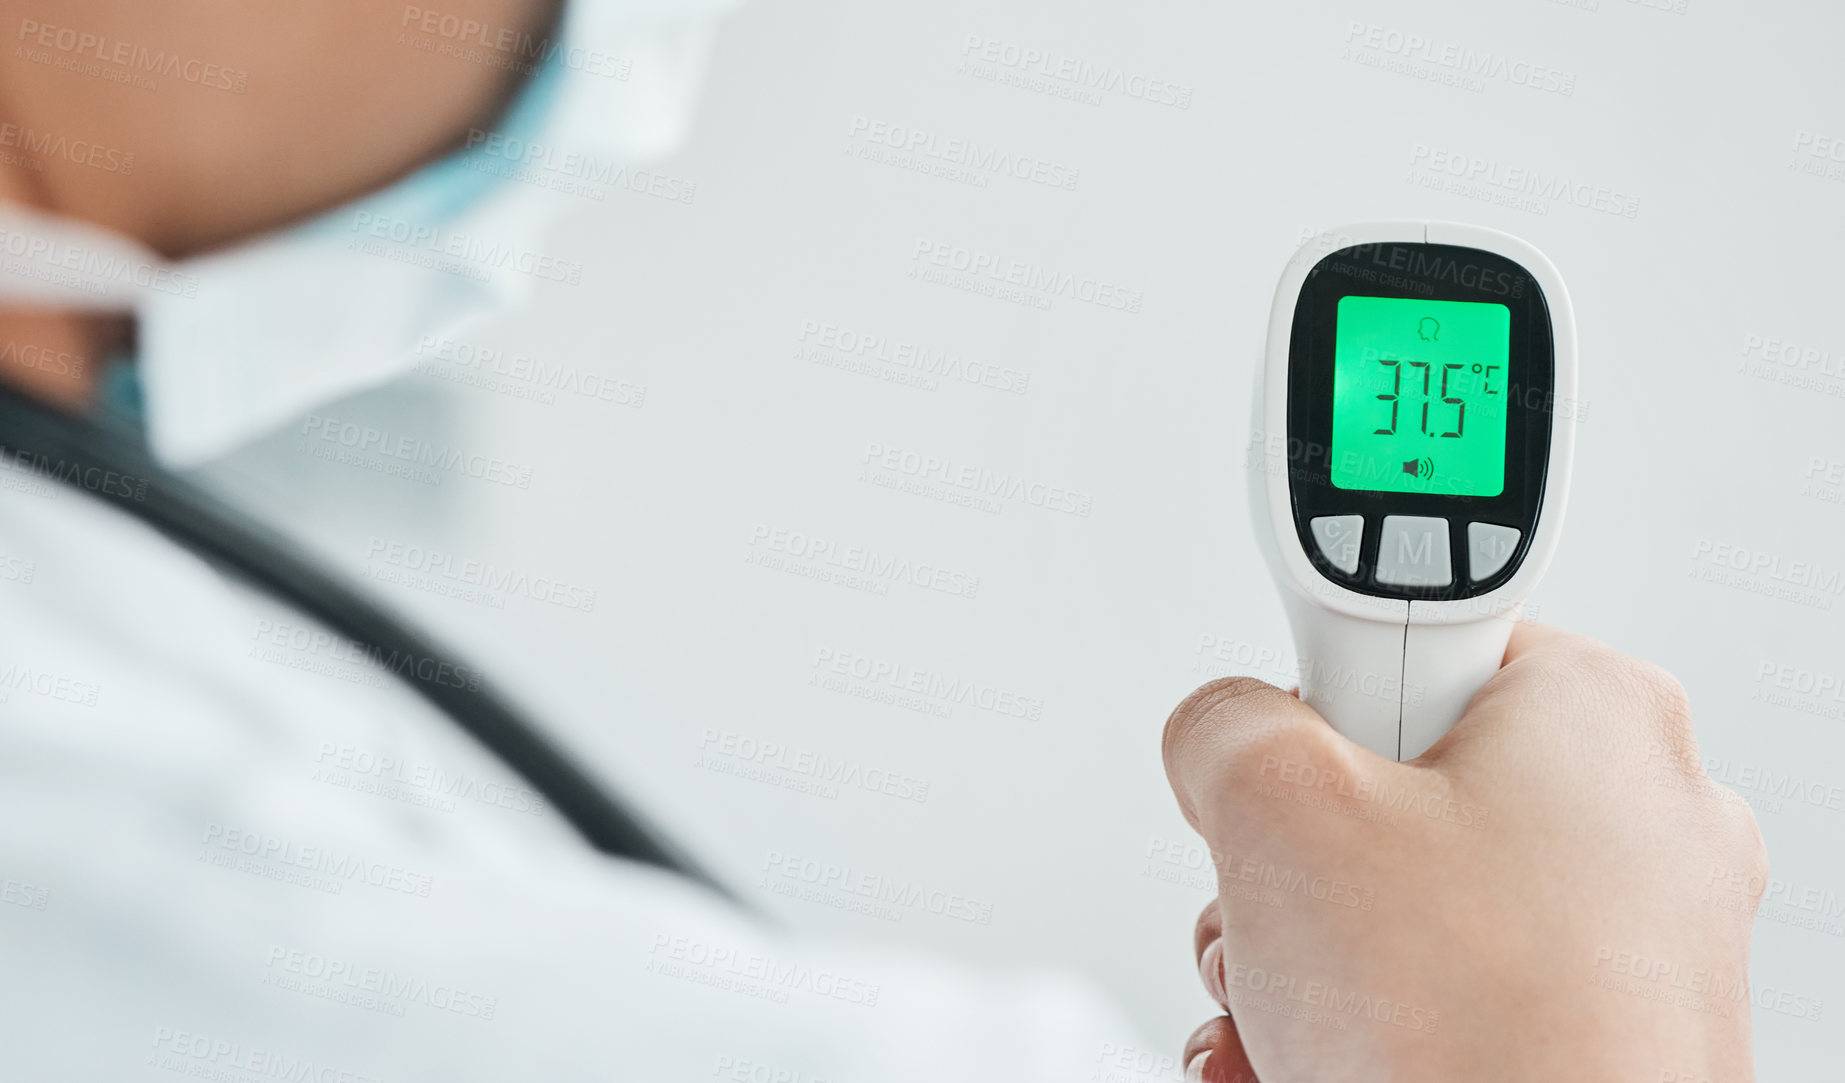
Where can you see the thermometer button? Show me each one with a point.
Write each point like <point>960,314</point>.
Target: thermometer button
<point>1338,537</point>
<point>1413,552</point>
<point>1489,546</point>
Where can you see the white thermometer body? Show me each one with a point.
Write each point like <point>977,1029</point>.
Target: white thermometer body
<point>1411,465</point>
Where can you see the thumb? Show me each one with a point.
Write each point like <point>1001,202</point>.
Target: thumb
<point>1214,1054</point>
<point>1221,740</point>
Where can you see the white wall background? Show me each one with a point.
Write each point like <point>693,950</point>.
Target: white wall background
<point>1712,137</point>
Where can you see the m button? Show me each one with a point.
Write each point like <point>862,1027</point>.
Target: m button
<point>1413,552</point>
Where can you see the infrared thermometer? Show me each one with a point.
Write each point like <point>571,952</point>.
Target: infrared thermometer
<point>1411,465</point>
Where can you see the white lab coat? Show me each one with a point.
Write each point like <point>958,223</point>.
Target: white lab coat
<point>230,851</point>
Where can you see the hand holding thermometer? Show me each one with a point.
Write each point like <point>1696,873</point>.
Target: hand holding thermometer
<point>1414,467</point>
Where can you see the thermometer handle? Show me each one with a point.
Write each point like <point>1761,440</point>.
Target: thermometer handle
<point>1446,664</point>
<point>1394,686</point>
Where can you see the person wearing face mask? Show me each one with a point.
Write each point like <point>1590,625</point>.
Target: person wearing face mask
<point>250,826</point>
<point>210,227</point>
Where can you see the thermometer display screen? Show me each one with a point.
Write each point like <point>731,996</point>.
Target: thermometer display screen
<point>1419,396</point>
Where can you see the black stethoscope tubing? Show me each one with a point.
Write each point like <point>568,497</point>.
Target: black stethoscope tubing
<point>120,472</point>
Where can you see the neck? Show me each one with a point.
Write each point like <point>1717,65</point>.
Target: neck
<point>55,356</point>
<point>51,354</point>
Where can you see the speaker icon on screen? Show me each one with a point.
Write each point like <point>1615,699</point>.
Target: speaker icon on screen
<point>1423,468</point>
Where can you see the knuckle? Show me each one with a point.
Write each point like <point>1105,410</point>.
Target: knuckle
<point>1735,835</point>
<point>1664,691</point>
<point>1659,695</point>
<point>1667,707</point>
<point>1752,849</point>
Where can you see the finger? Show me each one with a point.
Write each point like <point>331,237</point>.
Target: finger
<point>1533,655</point>
<point>1215,740</point>
<point>1208,949</point>
<point>1214,1054</point>
<point>1210,926</point>
<point>1211,973</point>
<point>1614,675</point>
<point>1569,699</point>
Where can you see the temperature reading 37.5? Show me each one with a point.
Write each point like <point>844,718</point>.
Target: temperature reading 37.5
<point>1419,396</point>
<point>1394,397</point>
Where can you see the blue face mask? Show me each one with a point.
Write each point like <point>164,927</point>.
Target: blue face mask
<point>443,192</point>
<point>252,337</point>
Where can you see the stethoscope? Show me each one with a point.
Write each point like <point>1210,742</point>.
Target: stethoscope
<point>82,454</point>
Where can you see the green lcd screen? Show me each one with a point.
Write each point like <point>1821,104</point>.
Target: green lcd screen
<point>1419,393</point>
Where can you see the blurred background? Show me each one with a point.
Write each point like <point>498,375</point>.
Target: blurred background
<point>734,561</point>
